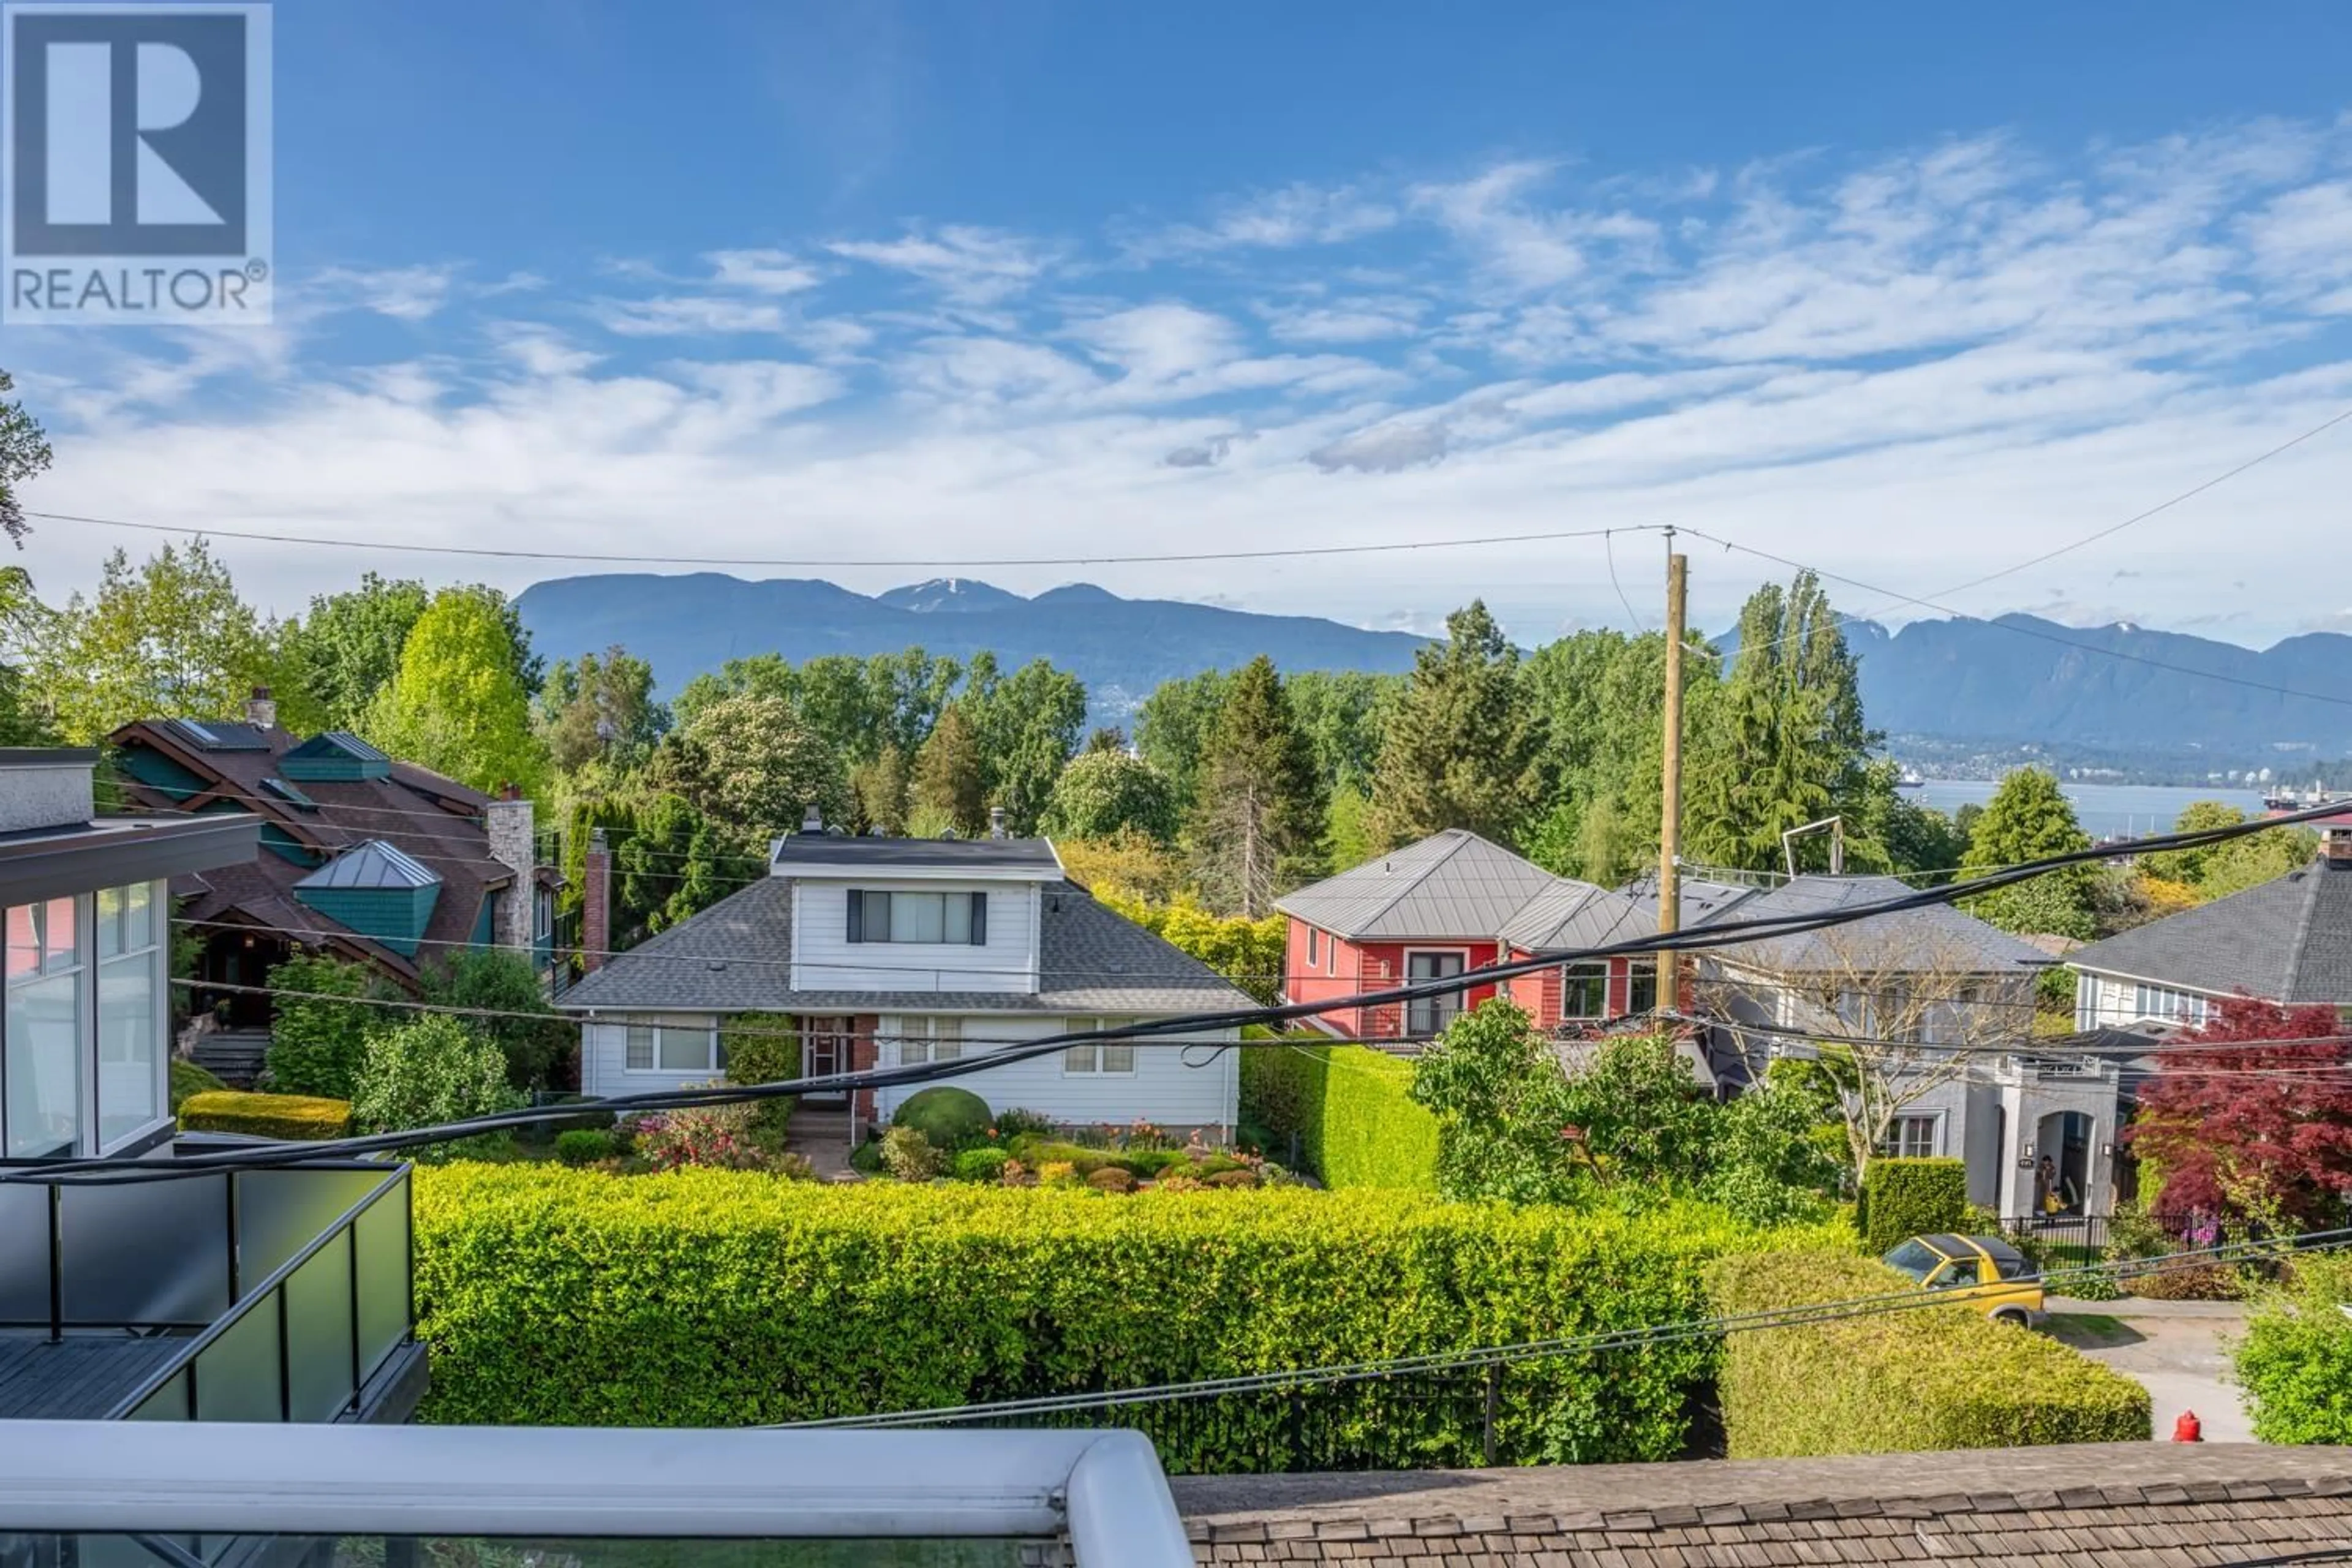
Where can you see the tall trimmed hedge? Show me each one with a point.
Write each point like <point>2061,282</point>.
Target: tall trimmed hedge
<point>2296,1360</point>
<point>712,1297</point>
<point>290,1116</point>
<point>1920,1379</point>
<point>1350,1109</point>
<point>1904,1198</point>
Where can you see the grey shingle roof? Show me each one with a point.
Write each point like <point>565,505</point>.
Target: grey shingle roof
<point>1937,937</point>
<point>2289,940</point>
<point>1035,855</point>
<point>1702,900</point>
<point>1453,885</point>
<point>732,958</point>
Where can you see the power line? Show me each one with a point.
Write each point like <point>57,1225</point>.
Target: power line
<point>1647,1337</point>
<point>378,546</point>
<point>1630,614</point>
<point>1703,938</point>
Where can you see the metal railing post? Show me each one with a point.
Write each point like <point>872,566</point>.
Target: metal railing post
<point>57,1263</point>
<point>285,1359</point>
<point>1494,1405</point>
<point>352,1257</point>
<point>230,1180</point>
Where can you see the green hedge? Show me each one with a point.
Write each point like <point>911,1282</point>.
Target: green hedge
<point>1350,1108</point>
<point>265,1115</point>
<point>2296,1360</point>
<point>1922,1378</point>
<point>189,1079</point>
<point>710,1298</point>
<point>1904,1198</point>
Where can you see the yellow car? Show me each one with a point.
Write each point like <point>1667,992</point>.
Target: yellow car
<point>1982,1271</point>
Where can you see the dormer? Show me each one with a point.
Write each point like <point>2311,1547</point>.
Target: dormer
<point>928,915</point>
<point>336,756</point>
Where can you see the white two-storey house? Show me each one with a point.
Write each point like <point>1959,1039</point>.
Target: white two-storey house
<point>889,951</point>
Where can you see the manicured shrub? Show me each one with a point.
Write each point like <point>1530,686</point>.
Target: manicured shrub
<point>1013,1123</point>
<point>299,1116</point>
<point>1907,1381</point>
<point>911,1156</point>
<point>188,1078</point>
<point>716,1298</point>
<point>429,1071</point>
<point>1904,1198</point>
<point>582,1146</point>
<point>317,1043</point>
<point>949,1117</point>
<point>981,1165</point>
<point>715,1135</point>
<point>761,1047</point>
<point>1111,1179</point>
<point>2296,1360</point>
<point>1347,1107</point>
<point>1235,1178</point>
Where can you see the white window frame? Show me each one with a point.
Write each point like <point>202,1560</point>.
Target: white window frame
<point>973,900</point>
<point>714,1058</point>
<point>1891,1146</point>
<point>157,952</point>
<point>1314,948</point>
<point>83,971</point>
<point>1097,1053</point>
<point>929,1038</point>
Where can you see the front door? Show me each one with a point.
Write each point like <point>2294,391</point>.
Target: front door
<point>1429,1015</point>
<point>825,1048</point>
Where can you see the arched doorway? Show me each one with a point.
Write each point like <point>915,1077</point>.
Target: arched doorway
<point>2063,1138</point>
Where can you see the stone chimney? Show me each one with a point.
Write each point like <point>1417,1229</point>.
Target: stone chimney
<point>261,709</point>
<point>996,822</point>
<point>514,846</point>
<point>596,903</point>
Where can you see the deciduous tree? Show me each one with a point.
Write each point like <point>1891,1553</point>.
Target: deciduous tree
<point>1105,792</point>
<point>24,452</point>
<point>753,770</point>
<point>2251,1131</point>
<point>458,705</point>
<point>2029,819</point>
<point>346,650</point>
<point>602,709</point>
<point>1173,726</point>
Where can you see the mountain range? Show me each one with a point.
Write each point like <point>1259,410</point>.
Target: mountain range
<point>1120,648</point>
<point>2018,679</point>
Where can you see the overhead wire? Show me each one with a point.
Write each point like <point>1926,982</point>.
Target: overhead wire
<point>1704,938</point>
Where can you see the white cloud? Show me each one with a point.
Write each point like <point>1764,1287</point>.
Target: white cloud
<point>1296,214</point>
<point>966,264</point>
<point>1361,320</point>
<point>403,293</point>
<point>766,271</point>
<point>672,315</point>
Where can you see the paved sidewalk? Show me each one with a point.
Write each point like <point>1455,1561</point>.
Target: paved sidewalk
<point>2177,1355</point>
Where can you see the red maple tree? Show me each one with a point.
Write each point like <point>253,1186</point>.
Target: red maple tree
<point>2251,1130</point>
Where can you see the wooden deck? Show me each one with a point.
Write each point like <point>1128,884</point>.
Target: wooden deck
<point>81,1377</point>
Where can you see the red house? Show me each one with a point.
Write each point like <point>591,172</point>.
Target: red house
<point>1451,903</point>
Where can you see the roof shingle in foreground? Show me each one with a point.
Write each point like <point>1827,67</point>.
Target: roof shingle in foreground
<point>2140,1503</point>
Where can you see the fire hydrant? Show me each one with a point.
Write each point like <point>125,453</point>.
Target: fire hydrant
<point>2187,1430</point>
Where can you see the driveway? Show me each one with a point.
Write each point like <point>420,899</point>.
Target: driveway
<point>2173,1348</point>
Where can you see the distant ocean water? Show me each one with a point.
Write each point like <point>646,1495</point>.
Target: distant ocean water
<point>2105,811</point>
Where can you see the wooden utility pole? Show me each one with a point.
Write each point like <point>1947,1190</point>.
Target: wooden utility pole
<point>1670,825</point>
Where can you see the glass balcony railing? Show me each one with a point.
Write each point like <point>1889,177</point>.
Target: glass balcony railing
<point>278,1295</point>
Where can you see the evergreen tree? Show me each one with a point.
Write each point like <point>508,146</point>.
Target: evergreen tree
<point>1787,746</point>
<point>878,789</point>
<point>458,706</point>
<point>2029,819</point>
<point>1464,746</point>
<point>949,789</point>
<point>1256,823</point>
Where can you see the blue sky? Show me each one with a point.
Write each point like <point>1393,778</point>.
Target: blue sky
<point>1913,296</point>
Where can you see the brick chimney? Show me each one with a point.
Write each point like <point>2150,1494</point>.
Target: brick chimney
<point>596,902</point>
<point>512,845</point>
<point>2335,848</point>
<point>261,709</point>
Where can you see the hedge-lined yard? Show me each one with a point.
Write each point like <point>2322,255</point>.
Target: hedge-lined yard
<point>1350,1109</point>
<point>722,1299</point>
<point>1921,1378</point>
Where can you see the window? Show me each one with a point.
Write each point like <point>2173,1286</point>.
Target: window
<point>933,918</point>
<point>1429,1015</point>
<point>667,1047</point>
<point>1099,1055</point>
<point>1914,1259</point>
<point>2163,1002</point>
<point>930,1040</point>
<point>1910,1138</point>
<point>45,1026</point>
<point>542,915</point>
<point>129,1034</point>
<point>1314,947</point>
<point>1642,985</point>
<point>1584,990</point>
